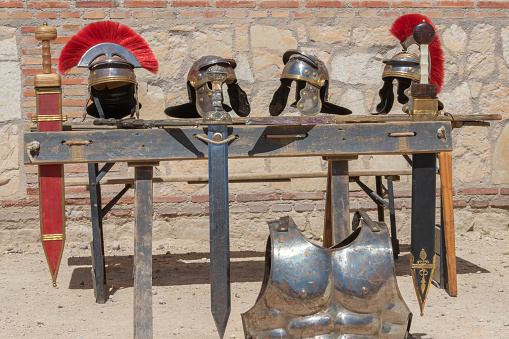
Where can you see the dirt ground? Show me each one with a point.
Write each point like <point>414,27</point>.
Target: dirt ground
<point>30,307</point>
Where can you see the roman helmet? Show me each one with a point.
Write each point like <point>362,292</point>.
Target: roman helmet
<point>404,66</point>
<point>204,88</point>
<point>312,85</point>
<point>110,51</point>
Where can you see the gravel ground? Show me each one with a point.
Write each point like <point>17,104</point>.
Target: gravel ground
<point>32,308</point>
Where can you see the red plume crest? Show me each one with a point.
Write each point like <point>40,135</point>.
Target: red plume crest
<point>106,31</point>
<point>403,27</point>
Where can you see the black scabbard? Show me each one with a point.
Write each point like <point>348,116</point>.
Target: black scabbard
<point>422,248</point>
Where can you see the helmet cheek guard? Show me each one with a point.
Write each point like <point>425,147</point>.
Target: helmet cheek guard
<point>312,81</point>
<point>205,80</point>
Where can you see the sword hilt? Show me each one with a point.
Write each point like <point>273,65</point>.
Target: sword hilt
<point>46,34</point>
<point>424,99</point>
<point>424,34</point>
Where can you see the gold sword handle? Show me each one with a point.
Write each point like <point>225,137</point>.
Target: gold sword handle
<point>46,34</point>
<point>424,34</point>
<point>424,101</point>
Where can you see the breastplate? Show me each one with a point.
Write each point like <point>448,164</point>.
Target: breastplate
<point>348,291</point>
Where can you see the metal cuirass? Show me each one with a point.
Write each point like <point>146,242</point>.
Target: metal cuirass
<point>348,291</point>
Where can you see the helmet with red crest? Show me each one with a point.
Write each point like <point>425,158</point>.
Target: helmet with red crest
<point>404,66</point>
<point>110,51</point>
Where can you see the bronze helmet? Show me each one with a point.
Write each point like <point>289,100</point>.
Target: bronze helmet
<point>204,99</point>
<point>112,84</point>
<point>312,82</point>
<point>403,67</point>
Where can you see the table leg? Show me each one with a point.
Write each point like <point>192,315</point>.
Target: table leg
<point>337,209</point>
<point>97,244</point>
<point>379,207</point>
<point>327,226</point>
<point>445,161</point>
<point>143,252</point>
<point>392,216</point>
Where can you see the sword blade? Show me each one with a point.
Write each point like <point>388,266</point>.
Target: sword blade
<point>219,228</point>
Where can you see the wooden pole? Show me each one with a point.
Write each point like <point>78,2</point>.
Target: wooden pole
<point>327,226</point>
<point>337,209</point>
<point>445,161</point>
<point>143,327</point>
<point>339,201</point>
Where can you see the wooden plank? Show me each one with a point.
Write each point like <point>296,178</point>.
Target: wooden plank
<point>143,327</point>
<point>180,143</point>
<point>445,161</point>
<point>240,177</point>
<point>301,120</point>
<point>367,118</point>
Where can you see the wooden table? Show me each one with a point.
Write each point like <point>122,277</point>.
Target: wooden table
<point>337,139</point>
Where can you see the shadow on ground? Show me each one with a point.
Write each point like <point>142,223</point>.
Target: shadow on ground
<point>419,336</point>
<point>169,269</point>
<point>194,268</point>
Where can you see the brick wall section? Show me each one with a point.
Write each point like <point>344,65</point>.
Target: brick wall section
<point>188,17</point>
<point>22,215</point>
<point>305,201</point>
<point>21,13</point>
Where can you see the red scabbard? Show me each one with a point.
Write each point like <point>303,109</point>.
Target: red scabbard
<point>51,182</point>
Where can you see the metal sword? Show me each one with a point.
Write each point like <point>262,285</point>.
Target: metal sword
<point>219,227</point>
<point>424,108</point>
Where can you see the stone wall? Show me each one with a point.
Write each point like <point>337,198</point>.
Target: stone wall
<point>351,37</point>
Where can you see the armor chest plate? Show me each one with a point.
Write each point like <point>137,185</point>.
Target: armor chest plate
<point>348,291</point>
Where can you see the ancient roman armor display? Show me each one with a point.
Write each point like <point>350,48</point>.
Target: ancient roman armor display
<point>347,291</point>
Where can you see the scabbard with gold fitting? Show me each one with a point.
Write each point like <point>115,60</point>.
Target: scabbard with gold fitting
<point>49,118</point>
<point>424,107</point>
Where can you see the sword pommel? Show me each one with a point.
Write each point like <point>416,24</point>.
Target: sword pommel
<point>424,33</point>
<point>46,34</point>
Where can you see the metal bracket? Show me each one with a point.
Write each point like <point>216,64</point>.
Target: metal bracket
<point>375,197</point>
<point>363,215</point>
